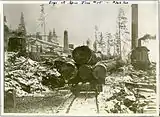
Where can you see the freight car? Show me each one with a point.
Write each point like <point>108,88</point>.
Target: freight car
<point>17,44</point>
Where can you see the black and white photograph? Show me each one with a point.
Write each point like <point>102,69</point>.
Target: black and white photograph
<point>81,59</point>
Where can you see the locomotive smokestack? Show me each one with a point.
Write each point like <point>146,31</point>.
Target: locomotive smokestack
<point>134,25</point>
<point>66,46</point>
<point>139,43</point>
<point>5,19</point>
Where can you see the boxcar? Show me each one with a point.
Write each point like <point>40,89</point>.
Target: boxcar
<point>16,44</point>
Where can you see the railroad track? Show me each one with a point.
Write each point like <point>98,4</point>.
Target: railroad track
<point>62,108</point>
<point>87,101</point>
<point>75,104</point>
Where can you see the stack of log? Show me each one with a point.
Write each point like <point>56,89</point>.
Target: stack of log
<point>86,67</point>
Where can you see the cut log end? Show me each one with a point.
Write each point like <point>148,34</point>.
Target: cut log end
<point>82,54</point>
<point>85,72</point>
<point>100,71</point>
<point>68,70</point>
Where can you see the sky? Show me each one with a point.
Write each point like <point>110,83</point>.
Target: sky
<point>80,20</point>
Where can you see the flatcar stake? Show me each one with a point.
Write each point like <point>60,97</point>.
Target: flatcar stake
<point>96,95</point>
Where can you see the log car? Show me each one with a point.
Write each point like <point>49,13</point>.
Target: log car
<point>90,75</point>
<point>87,72</point>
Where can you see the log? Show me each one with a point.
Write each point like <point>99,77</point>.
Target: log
<point>58,64</point>
<point>52,81</point>
<point>68,70</point>
<point>84,55</point>
<point>140,85</point>
<point>95,57</point>
<point>101,69</point>
<point>25,87</point>
<point>85,73</point>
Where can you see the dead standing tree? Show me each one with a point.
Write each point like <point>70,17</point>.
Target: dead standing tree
<point>109,42</point>
<point>95,44</point>
<point>88,43</point>
<point>122,34</point>
<point>101,42</point>
<point>21,28</point>
<point>116,45</point>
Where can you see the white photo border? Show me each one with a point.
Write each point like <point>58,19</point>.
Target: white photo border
<point>47,2</point>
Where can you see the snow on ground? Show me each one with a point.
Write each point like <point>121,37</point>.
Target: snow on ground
<point>115,98</point>
<point>24,75</point>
